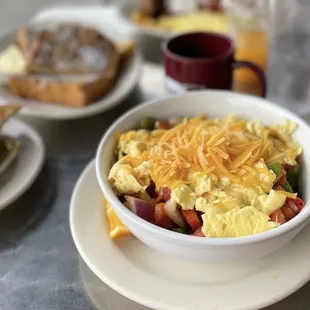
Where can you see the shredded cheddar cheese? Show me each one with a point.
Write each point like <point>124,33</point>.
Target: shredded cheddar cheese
<point>227,147</point>
<point>223,146</point>
<point>287,194</point>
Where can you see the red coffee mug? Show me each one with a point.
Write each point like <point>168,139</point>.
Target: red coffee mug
<point>203,60</point>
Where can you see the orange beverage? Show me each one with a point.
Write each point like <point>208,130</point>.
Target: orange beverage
<point>251,45</point>
<point>248,26</point>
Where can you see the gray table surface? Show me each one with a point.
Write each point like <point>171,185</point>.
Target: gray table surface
<point>39,265</point>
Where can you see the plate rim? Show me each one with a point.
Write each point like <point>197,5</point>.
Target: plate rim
<point>90,168</point>
<point>134,71</point>
<point>36,138</point>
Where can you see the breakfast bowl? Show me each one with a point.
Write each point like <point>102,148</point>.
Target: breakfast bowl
<point>215,104</point>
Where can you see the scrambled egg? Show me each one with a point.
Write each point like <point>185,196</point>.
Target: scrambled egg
<point>135,142</point>
<point>230,208</point>
<point>184,196</point>
<point>269,203</point>
<point>128,180</point>
<point>198,21</point>
<point>287,149</point>
<point>236,223</point>
<point>207,21</point>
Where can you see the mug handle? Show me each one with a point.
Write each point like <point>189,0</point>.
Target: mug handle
<point>256,69</point>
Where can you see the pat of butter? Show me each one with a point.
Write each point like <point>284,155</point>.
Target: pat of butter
<point>12,60</point>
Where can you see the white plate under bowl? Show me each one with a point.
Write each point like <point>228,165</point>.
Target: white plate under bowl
<point>25,169</point>
<point>126,81</point>
<point>166,283</point>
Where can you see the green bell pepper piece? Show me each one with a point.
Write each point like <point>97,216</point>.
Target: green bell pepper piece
<point>276,168</point>
<point>288,187</point>
<point>181,230</point>
<point>293,175</point>
<point>148,123</point>
<point>144,195</point>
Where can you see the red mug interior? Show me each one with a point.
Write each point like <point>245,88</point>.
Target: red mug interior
<point>200,45</point>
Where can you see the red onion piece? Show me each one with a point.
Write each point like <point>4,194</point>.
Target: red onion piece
<point>174,213</point>
<point>142,208</point>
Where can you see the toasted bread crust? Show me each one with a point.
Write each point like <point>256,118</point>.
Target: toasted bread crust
<point>7,111</point>
<point>75,94</point>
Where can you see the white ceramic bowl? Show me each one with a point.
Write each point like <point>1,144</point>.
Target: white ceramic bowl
<point>215,104</point>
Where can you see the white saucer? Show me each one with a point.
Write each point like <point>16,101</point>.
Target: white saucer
<point>103,297</point>
<point>163,282</point>
<point>126,81</point>
<point>25,169</point>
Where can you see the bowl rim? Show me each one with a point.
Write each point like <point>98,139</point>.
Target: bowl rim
<point>193,241</point>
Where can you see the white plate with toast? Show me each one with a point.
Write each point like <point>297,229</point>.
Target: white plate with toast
<point>125,82</point>
<point>162,282</point>
<point>23,171</point>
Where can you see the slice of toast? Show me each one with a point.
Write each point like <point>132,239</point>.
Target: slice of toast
<point>75,89</point>
<point>6,111</point>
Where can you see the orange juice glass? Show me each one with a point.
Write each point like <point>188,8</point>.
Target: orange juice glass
<point>251,40</point>
<point>252,46</point>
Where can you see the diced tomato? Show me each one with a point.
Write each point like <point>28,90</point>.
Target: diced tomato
<point>161,218</point>
<point>292,207</point>
<point>191,218</point>
<point>278,217</point>
<point>298,202</point>
<point>164,194</point>
<point>281,181</point>
<point>161,125</point>
<point>287,212</point>
<point>198,232</point>
<point>290,204</point>
<point>287,167</point>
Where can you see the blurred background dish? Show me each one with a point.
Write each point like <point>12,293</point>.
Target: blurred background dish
<point>9,146</point>
<point>68,63</point>
<point>18,177</point>
<point>246,22</point>
<point>76,90</point>
<point>183,17</point>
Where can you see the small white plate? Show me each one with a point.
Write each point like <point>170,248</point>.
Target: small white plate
<point>126,81</point>
<point>26,167</point>
<point>166,283</point>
